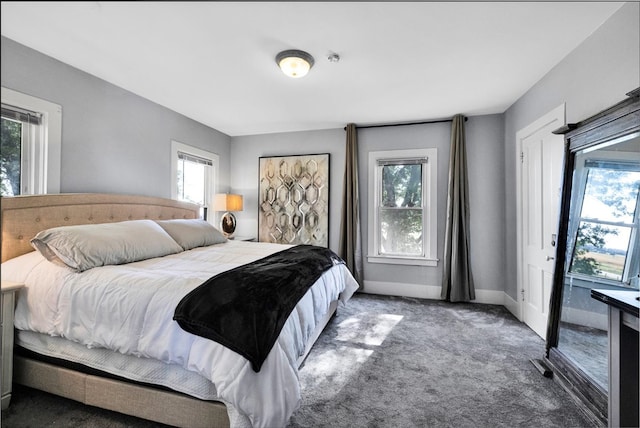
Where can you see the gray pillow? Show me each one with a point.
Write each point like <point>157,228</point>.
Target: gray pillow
<point>192,233</point>
<point>83,247</point>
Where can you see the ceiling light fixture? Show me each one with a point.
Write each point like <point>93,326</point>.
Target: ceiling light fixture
<point>294,63</point>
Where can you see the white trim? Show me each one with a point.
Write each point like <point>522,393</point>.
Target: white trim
<point>420,291</point>
<point>403,260</point>
<point>430,178</point>
<point>432,292</point>
<point>51,150</point>
<point>552,120</point>
<point>490,297</point>
<point>512,306</point>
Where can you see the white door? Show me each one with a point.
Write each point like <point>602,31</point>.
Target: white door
<point>541,160</point>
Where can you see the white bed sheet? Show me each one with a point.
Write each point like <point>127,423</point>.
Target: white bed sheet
<point>133,315</point>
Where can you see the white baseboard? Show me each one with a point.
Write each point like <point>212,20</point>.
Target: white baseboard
<point>423,291</point>
<point>402,289</point>
<point>489,297</point>
<point>512,306</point>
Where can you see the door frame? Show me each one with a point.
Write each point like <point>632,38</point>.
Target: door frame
<point>552,120</point>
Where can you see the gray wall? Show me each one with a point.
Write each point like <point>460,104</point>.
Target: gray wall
<point>113,141</point>
<point>486,177</point>
<point>245,154</point>
<point>596,75</point>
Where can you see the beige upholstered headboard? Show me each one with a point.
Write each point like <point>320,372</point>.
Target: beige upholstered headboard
<point>24,216</point>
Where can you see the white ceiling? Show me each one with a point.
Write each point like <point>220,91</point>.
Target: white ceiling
<point>400,61</point>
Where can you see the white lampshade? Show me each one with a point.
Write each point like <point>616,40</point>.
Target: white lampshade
<point>294,63</point>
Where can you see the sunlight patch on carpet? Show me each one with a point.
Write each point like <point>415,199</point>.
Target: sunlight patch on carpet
<point>367,329</point>
<point>331,370</point>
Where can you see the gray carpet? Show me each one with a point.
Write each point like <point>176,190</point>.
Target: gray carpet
<point>391,362</point>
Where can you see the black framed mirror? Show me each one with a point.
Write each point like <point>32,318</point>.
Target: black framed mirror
<point>598,247</point>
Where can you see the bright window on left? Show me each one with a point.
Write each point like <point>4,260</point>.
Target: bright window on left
<point>30,145</point>
<point>193,178</point>
<point>194,175</point>
<point>14,131</point>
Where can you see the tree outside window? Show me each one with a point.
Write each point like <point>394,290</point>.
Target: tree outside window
<point>10,157</point>
<point>401,210</point>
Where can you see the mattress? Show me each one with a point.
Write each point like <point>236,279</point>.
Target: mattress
<point>135,369</point>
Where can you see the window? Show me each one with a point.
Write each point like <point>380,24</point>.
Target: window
<point>194,175</point>
<point>402,207</point>
<point>605,243</point>
<point>30,145</point>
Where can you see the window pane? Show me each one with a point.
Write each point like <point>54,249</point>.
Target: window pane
<point>401,232</point>
<point>402,186</point>
<point>191,181</point>
<point>611,195</point>
<point>601,250</point>
<point>10,157</point>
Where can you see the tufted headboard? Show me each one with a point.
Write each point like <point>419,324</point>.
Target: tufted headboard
<point>24,216</point>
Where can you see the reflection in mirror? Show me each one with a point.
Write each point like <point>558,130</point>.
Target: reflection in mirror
<point>603,249</point>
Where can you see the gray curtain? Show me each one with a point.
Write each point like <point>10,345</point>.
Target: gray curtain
<point>457,281</point>
<point>350,236</point>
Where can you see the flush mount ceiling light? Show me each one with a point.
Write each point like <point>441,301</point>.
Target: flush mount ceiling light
<point>294,63</point>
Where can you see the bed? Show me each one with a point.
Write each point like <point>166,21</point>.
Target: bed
<point>164,374</point>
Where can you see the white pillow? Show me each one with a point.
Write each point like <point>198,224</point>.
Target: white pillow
<point>87,246</point>
<point>192,233</point>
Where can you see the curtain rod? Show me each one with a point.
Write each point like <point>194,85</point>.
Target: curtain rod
<point>406,123</point>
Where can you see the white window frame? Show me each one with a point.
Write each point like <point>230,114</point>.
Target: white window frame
<point>580,183</point>
<point>40,171</point>
<point>211,187</point>
<point>429,218</point>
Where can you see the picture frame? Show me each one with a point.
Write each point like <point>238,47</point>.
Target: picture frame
<point>293,199</point>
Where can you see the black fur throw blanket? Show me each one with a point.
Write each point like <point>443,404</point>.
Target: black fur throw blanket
<point>246,307</point>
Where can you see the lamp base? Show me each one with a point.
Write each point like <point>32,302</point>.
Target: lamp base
<point>228,224</point>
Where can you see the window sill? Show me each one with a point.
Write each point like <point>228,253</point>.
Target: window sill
<point>403,260</point>
<point>586,281</point>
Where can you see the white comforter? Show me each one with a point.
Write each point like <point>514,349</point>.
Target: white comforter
<point>129,309</point>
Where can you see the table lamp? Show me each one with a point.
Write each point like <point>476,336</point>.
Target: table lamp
<point>227,202</point>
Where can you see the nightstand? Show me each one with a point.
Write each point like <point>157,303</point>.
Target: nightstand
<point>6,337</point>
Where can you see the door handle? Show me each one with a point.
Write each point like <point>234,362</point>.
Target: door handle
<point>550,258</point>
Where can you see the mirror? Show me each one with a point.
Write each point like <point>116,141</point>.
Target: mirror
<point>602,248</point>
<point>598,247</point>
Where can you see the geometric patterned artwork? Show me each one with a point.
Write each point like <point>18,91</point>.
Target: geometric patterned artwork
<point>293,200</point>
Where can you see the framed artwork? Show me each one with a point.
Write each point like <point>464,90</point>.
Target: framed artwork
<point>294,199</point>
